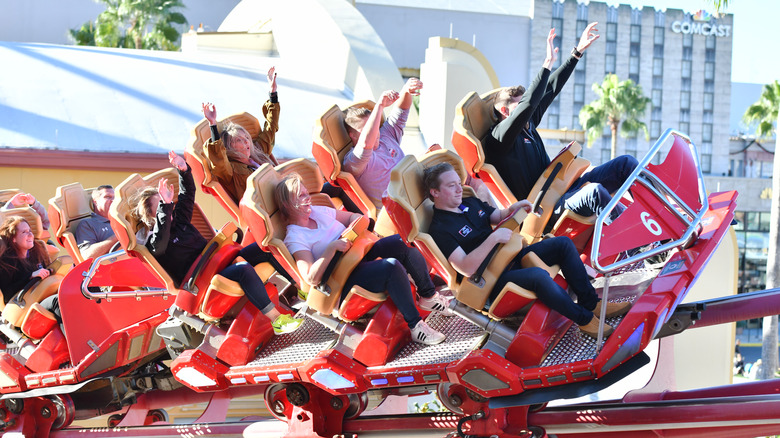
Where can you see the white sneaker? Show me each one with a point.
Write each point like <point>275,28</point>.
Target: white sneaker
<point>424,334</point>
<point>437,303</point>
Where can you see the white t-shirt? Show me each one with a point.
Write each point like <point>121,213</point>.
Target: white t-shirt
<point>328,229</point>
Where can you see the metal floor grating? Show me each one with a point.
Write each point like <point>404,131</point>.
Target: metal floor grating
<point>298,346</point>
<point>462,337</point>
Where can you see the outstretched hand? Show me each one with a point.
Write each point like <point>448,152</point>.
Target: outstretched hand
<point>589,35</point>
<point>388,97</point>
<point>412,86</point>
<point>552,51</point>
<point>165,190</point>
<point>272,79</point>
<point>21,199</point>
<point>177,161</point>
<point>210,112</point>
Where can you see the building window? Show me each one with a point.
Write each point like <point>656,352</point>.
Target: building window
<point>685,115</point>
<point>656,97</point>
<point>656,113</point>
<point>687,40</point>
<point>709,70</point>
<point>658,66</point>
<point>634,50</point>
<point>633,65</point>
<point>687,53</point>
<point>636,33</point>
<point>706,163</point>
<point>685,99</point>
<point>684,127</point>
<point>631,145</point>
<point>658,82</point>
<point>552,121</point>
<point>709,55</point>
<point>611,31</point>
<point>686,69</point>
<point>609,62</point>
<point>611,47</point>
<point>706,133</point>
<point>709,42</point>
<point>709,101</point>
<point>660,19</point>
<point>706,117</point>
<point>579,93</point>
<point>658,51</point>
<point>709,86</point>
<point>655,128</point>
<point>612,14</point>
<point>575,121</point>
<point>581,25</point>
<point>658,36</point>
<point>579,75</point>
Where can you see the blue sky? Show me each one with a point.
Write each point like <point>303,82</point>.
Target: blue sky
<point>756,52</point>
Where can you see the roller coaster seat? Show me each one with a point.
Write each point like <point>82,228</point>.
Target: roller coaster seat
<point>36,225</point>
<point>412,211</point>
<point>262,214</point>
<point>24,310</point>
<point>218,253</point>
<point>474,116</point>
<point>70,205</point>
<point>331,143</point>
<point>202,166</point>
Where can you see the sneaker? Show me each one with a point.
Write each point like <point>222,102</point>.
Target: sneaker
<point>613,309</point>
<point>436,303</point>
<point>424,334</point>
<point>303,295</point>
<point>285,323</point>
<point>592,328</point>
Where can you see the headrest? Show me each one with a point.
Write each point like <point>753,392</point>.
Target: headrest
<point>331,136</point>
<point>474,115</point>
<point>309,172</point>
<point>76,202</point>
<point>7,194</point>
<point>120,211</point>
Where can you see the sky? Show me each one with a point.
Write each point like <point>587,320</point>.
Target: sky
<point>756,52</point>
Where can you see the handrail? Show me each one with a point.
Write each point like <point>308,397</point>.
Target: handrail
<point>663,193</point>
<point>109,295</point>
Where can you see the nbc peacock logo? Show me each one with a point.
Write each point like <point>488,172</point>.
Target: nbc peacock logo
<point>702,15</point>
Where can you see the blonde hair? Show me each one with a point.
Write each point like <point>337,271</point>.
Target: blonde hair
<point>287,194</point>
<point>141,209</point>
<point>228,134</point>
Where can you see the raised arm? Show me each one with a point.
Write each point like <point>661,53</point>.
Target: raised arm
<point>271,110</point>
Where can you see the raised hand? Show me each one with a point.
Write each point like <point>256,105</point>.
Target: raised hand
<point>412,86</point>
<point>388,97</point>
<point>589,35</point>
<point>177,161</point>
<point>210,112</point>
<point>552,52</point>
<point>21,199</point>
<point>272,79</point>
<point>165,190</point>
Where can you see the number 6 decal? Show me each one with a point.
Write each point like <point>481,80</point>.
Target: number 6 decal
<point>650,224</point>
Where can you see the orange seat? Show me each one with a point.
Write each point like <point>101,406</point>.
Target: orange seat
<point>330,145</point>
<point>70,205</point>
<point>474,116</point>
<point>412,211</point>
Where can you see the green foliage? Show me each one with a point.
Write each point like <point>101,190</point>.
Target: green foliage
<point>138,24</point>
<point>617,102</point>
<point>764,111</point>
<point>431,406</point>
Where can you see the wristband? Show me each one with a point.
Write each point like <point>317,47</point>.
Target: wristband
<point>576,53</point>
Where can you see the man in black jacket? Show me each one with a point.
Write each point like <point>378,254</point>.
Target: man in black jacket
<point>515,149</point>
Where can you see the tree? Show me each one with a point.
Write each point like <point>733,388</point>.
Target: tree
<point>620,105</point>
<point>765,112</point>
<point>139,24</point>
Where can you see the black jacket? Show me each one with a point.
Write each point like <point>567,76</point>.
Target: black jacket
<point>175,242</point>
<point>513,146</point>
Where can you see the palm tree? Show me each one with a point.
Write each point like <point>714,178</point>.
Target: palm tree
<point>765,112</point>
<point>619,105</point>
<point>139,24</point>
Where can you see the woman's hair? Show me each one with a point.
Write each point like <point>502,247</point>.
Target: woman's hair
<point>37,255</point>
<point>286,194</point>
<point>141,207</point>
<point>229,132</point>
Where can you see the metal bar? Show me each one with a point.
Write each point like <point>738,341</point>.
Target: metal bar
<point>108,295</point>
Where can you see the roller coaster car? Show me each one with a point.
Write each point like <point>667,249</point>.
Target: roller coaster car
<point>474,116</point>
<point>385,332</point>
<point>545,353</point>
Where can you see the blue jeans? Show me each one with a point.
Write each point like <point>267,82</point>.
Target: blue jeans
<point>254,255</point>
<point>389,273</point>
<point>591,199</point>
<point>244,274</point>
<point>555,251</point>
